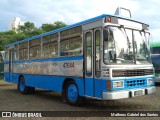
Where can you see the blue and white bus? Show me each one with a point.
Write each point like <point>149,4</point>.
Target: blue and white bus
<point>106,58</point>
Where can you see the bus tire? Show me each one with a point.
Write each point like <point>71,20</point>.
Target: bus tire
<point>72,94</point>
<point>23,88</point>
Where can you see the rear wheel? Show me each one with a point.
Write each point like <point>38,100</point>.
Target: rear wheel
<point>72,94</point>
<point>23,88</point>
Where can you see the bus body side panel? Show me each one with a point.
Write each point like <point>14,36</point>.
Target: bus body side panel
<point>100,86</point>
<point>6,77</point>
<point>89,86</point>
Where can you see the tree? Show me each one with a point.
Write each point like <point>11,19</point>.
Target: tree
<point>33,33</point>
<point>47,27</point>
<point>6,38</point>
<point>28,26</point>
<point>54,26</point>
<point>59,24</point>
<point>28,30</point>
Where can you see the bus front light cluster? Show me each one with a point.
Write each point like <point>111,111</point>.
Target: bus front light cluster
<point>150,81</point>
<point>118,84</point>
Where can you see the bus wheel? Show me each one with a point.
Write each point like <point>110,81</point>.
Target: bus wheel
<point>72,94</point>
<point>23,88</point>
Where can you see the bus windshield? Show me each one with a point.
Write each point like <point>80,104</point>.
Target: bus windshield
<point>126,46</point>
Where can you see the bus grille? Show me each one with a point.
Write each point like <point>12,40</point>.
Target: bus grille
<point>132,73</point>
<point>135,83</point>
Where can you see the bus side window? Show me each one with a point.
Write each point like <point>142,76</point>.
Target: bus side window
<point>50,46</point>
<point>16,53</point>
<point>23,51</point>
<point>35,49</point>
<point>71,46</point>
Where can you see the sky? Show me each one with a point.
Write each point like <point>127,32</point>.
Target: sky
<point>73,11</point>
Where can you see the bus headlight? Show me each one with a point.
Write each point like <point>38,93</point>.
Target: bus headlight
<point>118,84</point>
<point>150,81</point>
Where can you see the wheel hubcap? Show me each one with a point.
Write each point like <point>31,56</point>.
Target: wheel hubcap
<point>72,92</point>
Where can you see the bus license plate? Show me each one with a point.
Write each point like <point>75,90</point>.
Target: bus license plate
<point>138,93</point>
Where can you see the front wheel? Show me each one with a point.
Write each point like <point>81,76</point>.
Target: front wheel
<point>72,94</point>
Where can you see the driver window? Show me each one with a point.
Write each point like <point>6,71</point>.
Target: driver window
<point>109,47</point>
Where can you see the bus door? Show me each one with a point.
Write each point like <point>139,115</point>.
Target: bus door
<point>92,60</point>
<point>11,52</point>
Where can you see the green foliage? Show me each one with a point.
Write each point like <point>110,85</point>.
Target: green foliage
<point>59,24</point>
<point>26,31</point>
<point>47,27</point>
<point>28,26</point>
<point>55,25</point>
<point>7,37</point>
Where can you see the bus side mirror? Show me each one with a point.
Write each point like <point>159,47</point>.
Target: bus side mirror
<point>105,35</point>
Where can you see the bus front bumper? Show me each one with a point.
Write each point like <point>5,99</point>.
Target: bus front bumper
<point>128,93</point>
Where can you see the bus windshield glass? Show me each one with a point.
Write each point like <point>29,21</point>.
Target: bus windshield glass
<point>126,46</point>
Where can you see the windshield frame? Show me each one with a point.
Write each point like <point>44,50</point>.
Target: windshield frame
<point>123,29</point>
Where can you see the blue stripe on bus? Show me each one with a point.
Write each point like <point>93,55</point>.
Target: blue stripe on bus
<point>49,59</point>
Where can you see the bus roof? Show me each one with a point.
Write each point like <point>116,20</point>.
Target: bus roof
<point>68,27</point>
<point>155,44</point>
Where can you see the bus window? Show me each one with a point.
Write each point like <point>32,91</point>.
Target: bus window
<point>16,52</point>
<point>50,46</point>
<point>23,51</point>
<point>6,57</point>
<point>70,33</point>
<point>88,38</point>
<point>72,46</point>
<point>35,49</point>
<point>75,46</point>
<point>50,50</point>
